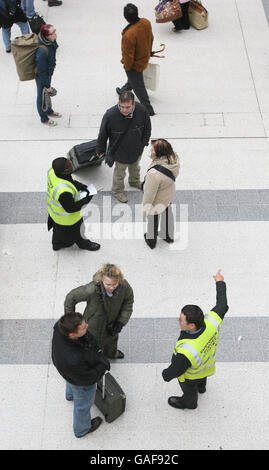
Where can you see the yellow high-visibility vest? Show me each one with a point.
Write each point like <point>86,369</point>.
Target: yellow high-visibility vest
<point>202,350</point>
<point>57,186</point>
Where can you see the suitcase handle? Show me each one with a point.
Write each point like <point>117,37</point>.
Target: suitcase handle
<point>103,386</point>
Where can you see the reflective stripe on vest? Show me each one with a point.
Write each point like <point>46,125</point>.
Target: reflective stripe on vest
<point>195,349</point>
<point>56,211</point>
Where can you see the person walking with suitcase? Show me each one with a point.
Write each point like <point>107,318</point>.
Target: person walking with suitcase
<point>109,305</point>
<point>79,360</point>
<point>128,128</point>
<point>11,13</point>
<point>194,354</point>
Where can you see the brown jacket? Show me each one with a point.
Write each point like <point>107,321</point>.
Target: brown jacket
<point>136,45</point>
<point>159,189</point>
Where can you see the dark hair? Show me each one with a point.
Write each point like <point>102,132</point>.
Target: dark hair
<point>162,148</point>
<point>194,315</point>
<point>126,96</point>
<point>69,323</point>
<point>130,13</point>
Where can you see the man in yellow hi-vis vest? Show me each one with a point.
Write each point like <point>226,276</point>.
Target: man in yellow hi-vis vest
<point>64,207</point>
<point>194,354</point>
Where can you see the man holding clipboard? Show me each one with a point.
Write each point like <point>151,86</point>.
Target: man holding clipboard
<point>64,205</point>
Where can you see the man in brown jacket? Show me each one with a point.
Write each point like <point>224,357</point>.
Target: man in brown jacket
<point>136,47</point>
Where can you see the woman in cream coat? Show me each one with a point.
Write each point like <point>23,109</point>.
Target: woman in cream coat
<point>159,191</point>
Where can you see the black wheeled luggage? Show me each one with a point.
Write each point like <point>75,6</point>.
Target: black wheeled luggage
<point>36,22</point>
<point>110,398</point>
<point>84,155</point>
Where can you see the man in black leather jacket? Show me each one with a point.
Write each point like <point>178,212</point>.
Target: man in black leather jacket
<point>80,361</point>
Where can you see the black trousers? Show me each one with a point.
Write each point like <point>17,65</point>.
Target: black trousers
<point>183,22</point>
<point>166,228</point>
<point>135,82</point>
<point>64,236</point>
<point>190,389</point>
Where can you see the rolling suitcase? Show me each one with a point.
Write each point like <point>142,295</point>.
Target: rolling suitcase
<point>84,155</point>
<point>110,398</point>
<point>35,23</point>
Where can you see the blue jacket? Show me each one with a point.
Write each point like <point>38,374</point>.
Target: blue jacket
<point>45,63</point>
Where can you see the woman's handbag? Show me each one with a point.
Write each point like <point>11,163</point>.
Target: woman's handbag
<point>198,15</point>
<point>171,11</point>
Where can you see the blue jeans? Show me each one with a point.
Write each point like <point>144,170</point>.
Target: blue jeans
<point>44,116</point>
<point>6,33</point>
<point>83,400</point>
<point>28,7</point>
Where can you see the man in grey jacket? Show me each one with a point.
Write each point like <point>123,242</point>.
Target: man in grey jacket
<point>127,126</point>
<point>109,299</point>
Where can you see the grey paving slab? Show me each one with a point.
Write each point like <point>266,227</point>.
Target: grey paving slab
<point>143,340</point>
<point>203,205</point>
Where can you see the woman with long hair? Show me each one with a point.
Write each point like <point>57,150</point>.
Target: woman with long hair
<point>159,191</point>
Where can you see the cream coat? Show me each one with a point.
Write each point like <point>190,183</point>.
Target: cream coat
<point>159,189</point>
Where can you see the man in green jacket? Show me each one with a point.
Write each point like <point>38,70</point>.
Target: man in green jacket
<point>109,306</point>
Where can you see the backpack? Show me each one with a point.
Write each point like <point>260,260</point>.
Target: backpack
<point>23,49</point>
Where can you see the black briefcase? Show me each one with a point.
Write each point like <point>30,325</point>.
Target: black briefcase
<point>83,155</point>
<point>110,398</point>
<point>35,23</point>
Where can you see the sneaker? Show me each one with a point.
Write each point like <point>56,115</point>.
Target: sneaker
<point>95,423</point>
<point>50,123</point>
<point>121,197</point>
<point>55,115</point>
<point>8,51</point>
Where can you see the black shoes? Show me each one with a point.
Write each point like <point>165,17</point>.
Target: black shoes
<point>90,246</point>
<point>118,90</point>
<point>177,402</point>
<point>55,3</point>
<point>151,242</point>
<point>95,424</point>
<point>119,355</point>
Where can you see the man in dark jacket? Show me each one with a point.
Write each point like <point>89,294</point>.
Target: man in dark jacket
<point>128,128</point>
<point>10,13</point>
<point>45,60</point>
<point>194,354</point>
<point>64,207</point>
<point>79,360</point>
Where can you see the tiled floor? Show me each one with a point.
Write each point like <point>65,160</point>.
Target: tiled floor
<point>212,105</point>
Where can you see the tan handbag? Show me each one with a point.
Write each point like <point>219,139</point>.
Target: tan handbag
<point>151,74</point>
<point>198,15</point>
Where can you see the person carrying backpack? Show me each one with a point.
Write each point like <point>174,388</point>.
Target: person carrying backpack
<point>45,64</point>
<point>10,13</point>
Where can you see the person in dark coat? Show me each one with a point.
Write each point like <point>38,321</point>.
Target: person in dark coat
<point>45,64</point>
<point>127,125</point>
<point>11,13</point>
<point>194,332</point>
<point>79,360</point>
<point>66,235</point>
